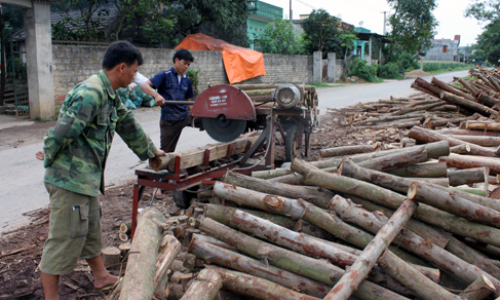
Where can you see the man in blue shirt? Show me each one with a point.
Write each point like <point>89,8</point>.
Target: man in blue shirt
<point>172,84</point>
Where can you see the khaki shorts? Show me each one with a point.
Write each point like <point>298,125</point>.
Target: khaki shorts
<point>74,230</point>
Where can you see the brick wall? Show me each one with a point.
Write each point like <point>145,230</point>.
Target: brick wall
<point>74,63</point>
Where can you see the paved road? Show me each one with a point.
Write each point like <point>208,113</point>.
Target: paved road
<point>21,175</point>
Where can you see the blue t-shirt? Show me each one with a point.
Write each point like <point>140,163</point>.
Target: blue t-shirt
<point>168,86</point>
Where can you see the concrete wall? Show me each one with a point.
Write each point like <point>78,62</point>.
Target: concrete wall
<point>73,64</point>
<point>436,52</point>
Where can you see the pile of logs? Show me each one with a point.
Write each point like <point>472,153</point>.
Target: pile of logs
<point>421,221</point>
<point>440,104</point>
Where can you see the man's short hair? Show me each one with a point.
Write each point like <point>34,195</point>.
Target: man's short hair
<point>183,54</point>
<point>121,52</point>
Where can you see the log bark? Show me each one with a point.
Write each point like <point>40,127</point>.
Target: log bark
<point>222,214</point>
<point>448,242</point>
<point>468,176</point>
<point>437,181</point>
<point>235,261</point>
<point>359,270</point>
<point>396,160</point>
<point>411,241</point>
<point>454,204</point>
<point>165,258</point>
<point>468,161</point>
<point>431,290</point>
<point>485,98</point>
<point>485,141</point>
<point>314,194</point>
<point>393,200</point>
<point>346,150</point>
<point>438,123</point>
<point>450,89</point>
<point>295,209</point>
<point>468,85</point>
<point>139,275</point>
<point>316,269</point>
<point>205,286</point>
<point>427,136</point>
<point>248,285</point>
<point>495,126</point>
<point>478,290</point>
<point>434,169</point>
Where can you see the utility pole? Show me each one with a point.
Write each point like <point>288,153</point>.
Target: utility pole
<point>291,18</point>
<point>385,19</point>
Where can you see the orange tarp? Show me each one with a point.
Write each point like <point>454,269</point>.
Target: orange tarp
<point>240,63</point>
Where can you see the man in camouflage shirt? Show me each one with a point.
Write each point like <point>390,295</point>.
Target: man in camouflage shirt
<point>74,155</point>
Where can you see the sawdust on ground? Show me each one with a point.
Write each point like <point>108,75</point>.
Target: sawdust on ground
<point>417,73</point>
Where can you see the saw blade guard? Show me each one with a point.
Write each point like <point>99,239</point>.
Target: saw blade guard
<point>224,101</point>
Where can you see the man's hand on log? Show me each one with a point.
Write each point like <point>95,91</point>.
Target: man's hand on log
<point>158,152</point>
<point>40,155</point>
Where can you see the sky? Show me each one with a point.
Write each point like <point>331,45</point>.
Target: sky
<point>449,14</point>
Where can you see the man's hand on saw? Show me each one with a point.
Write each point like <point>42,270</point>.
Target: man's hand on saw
<point>158,152</point>
<point>40,155</point>
<point>159,100</point>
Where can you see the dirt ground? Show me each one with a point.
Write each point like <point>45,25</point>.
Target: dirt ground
<point>21,250</point>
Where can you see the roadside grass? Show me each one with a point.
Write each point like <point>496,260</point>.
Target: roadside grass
<point>449,70</point>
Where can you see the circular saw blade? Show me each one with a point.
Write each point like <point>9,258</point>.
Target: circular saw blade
<point>224,130</point>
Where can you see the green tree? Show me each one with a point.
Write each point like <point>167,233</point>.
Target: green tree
<point>477,57</point>
<point>87,26</point>
<point>413,25</point>
<point>220,19</point>
<point>321,32</point>
<point>279,37</point>
<point>348,44</point>
<point>484,10</point>
<point>489,42</point>
<point>156,29</point>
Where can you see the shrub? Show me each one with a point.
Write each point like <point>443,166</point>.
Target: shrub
<point>389,71</point>
<point>405,60</point>
<point>360,69</point>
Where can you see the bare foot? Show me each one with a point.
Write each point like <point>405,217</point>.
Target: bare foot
<point>109,280</point>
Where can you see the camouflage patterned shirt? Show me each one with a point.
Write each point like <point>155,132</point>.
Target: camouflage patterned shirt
<point>76,149</point>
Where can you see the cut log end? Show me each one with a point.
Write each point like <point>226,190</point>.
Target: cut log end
<point>412,190</point>
<point>155,163</point>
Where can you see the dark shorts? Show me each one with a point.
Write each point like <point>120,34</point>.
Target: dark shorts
<point>170,132</point>
<point>74,230</point>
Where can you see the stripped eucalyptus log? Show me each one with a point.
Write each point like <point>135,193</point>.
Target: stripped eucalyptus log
<point>166,257</point>
<point>411,241</point>
<point>248,285</point>
<point>434,169</point>
<point>205,286</point>
<point>140,272</point>
<point>468,176</point>
<point>454,204</point>
<point>468,161</point>
<point>235,261</point>
<point>359,270</point>
<point>456,131</point>
<point>346,150</point>
<point>494,126</point>
<point>485,141</point>
<point>316,269</point>
<point>405,273</point>
<point>478,290</point>
<point>427,136</point>
<point>437,181</point>
<point>384,197</point>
